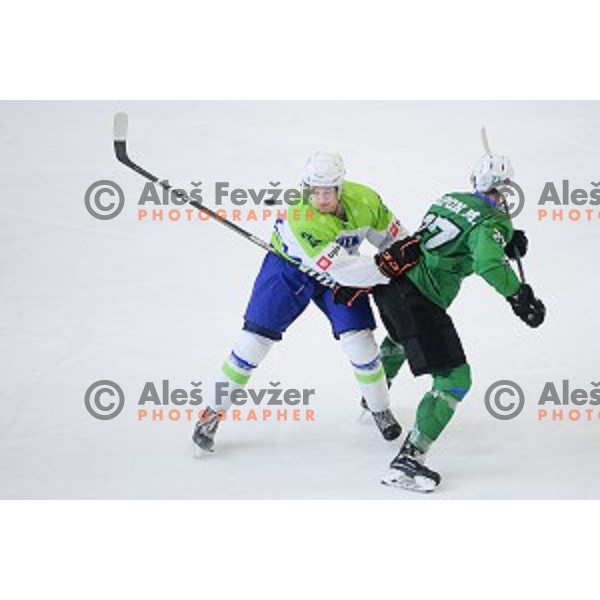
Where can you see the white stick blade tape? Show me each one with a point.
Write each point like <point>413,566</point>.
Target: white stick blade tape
<point>120,129</point>
<point>485,141</point>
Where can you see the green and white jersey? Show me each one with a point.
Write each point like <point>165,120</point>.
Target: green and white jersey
<point>463,234</point>
<point>330,244</point>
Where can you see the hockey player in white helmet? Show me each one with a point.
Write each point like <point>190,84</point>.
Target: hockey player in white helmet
<point>461,234</point>
<point>334,219</point>
<point>489,173</point>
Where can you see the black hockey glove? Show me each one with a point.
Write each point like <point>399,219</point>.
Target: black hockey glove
<point>343,294</point>
<point>517,247</point>
<point>399,257</point>
<point>527,307</point>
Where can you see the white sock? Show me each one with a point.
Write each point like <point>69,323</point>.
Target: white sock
<point>248,352</point>
<point>360,347</point>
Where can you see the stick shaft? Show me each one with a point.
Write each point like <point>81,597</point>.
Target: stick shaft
<point>487,149</point>
<point>120,146</point>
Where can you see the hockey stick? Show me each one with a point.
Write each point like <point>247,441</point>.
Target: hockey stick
<point>486,147</point>
<point>120,131</point>
<point>485,141</point>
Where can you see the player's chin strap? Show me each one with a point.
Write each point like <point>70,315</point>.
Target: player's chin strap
<point>121,125</point>
<point>486,147</point>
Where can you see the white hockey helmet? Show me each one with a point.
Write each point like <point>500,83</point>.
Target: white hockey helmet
<point>491,171</point>
<point>324,169</point>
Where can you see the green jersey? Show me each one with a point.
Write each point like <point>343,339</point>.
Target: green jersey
<point>330,243</point>
<point>463,234</point>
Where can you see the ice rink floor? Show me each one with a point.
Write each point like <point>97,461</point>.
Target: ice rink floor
<point>134,301</point>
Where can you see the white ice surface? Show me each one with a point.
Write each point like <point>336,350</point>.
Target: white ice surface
<point>83,300</point>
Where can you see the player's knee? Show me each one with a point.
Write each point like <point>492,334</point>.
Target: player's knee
<point>252,348</point>
<point>463,378</point>
<point>360,346</point>
<point>456,382</point>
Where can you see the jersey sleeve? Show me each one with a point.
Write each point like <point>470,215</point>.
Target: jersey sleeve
<point>486,243</point>
<point>350,270</point>
<point>386,228</point>
<point>313,244</point>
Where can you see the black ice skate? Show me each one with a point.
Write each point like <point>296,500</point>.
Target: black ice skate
<point>204,432</point>
<point>386,422</point>
<point>408,471</point>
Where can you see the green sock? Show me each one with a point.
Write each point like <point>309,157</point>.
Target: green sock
<point>392,357</point>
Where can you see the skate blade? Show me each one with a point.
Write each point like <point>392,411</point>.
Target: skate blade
<point>364,409</point>
<point>395,478</point>
<point>363,414</point>
<point>198,452</point>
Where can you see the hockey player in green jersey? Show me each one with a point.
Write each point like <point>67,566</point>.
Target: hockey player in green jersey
<point>324,233</point>
<point>461,234</point>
